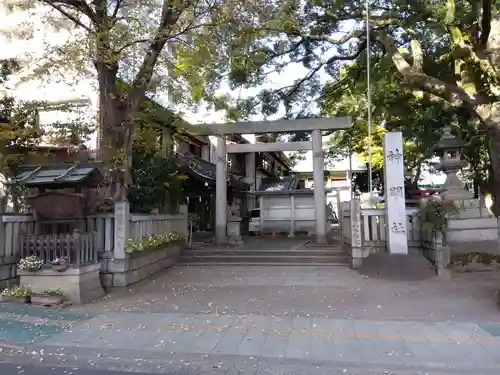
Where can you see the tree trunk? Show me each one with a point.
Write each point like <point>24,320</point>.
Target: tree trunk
<point>112,146</point>
<point>490,116</point>
<point>418,172</point>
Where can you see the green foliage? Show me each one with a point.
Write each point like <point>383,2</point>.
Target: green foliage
<point>394,108</point>
<point>18,126</point>
<point>50,293</point>
<point>153,242</point>
<point>435,213</point>
<point>18,291</point>
<point>30,263</point>
<point>155,180</point>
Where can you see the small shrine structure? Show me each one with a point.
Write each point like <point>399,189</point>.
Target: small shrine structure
<point>60,197</point>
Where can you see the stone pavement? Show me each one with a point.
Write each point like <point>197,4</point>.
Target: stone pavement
<point>408,343</point>
<point>29,324</point>
<point>316,318</point>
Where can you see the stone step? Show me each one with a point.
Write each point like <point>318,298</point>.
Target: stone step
<point>259,258</point>
<point>283,264</point>
<point>264,253</point>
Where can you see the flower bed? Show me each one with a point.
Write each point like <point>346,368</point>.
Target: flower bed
<point>153,242</point>
<point>31,263</point>
<point>18,293</point>
<point>145,257</point>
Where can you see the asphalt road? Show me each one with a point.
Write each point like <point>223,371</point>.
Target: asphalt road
<point>13,369</point>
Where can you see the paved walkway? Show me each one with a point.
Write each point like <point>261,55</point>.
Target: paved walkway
<point>318,339</point>
<point>320,317</point>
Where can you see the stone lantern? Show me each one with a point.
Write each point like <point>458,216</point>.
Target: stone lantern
<point>450,148</point>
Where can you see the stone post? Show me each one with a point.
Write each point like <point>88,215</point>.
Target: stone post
<point>395,205</point>
<point>122,216</point>
<point>221,191</point>
<point>319,186</point>
<point>250,178</point>
<point>356,250</point>
<point>292,216</point>
<point>261,207</point>
<point>183,210</point>
<point>443,254</point>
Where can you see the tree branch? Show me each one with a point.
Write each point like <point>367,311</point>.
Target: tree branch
<point>79,5</point>
<point>485,22</point>
<point>339,41</point>
<point>56,6</point>
<point>418,57</point>
<point>171,12</point>
<point>451,93</point>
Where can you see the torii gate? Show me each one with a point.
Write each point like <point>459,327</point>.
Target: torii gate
<point>315,125</point>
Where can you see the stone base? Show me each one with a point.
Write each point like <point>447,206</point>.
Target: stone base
<point>472,229</point>
<point>444,273</point>
<point>79,285</point>
<point>139,266</point>
<point>234,229</point>
<point>404,267</point>
<point>8,272</point>
<point>358,254</point>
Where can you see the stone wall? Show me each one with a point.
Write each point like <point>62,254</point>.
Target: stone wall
<point>472,230</point>
<point>8,272</point>
<point>431,243</point>
<point>79,285</point>
<point>136,266</point>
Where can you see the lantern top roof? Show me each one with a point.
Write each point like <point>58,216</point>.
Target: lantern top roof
<point>450,141</point>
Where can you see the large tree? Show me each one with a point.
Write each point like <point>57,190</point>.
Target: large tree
<point>393,107</point>
<point>136,48</point>
<point>461,37</point>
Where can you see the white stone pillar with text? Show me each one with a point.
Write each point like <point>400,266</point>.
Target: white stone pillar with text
<point>221,191</point>
<point>395,205</point>
<point>319,186</point>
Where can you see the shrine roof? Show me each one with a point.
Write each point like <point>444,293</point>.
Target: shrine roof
<point>55,174</point>
<point>205,171</point>
<point>274,184</point>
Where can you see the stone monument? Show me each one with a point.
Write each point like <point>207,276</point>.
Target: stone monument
<point>396,263</point>
<point>450,148</point>
<point>395,206</point>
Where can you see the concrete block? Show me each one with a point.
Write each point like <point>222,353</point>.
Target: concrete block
<point>120,280</point>
<point>79,285</point>
<point>5,272</point>
<point>141,265</point>
<point>118,265</point>
<point>106,279</point>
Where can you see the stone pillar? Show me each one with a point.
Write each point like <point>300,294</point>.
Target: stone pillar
<point>250,178</point>
<point>221,191</point>
<point>122,212</point>
<point>261,207</point>
<point>183,210</point>
<point>395,207</point>
<point>339,210</point>
<point>356,250</point>
<point>319,186</point>
<point>292,216</point>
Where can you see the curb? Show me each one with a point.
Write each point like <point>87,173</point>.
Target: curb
<point>9,345</point>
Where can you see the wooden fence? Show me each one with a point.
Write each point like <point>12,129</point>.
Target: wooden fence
<point>374,227</point>
<point>102,227</point>
<point>146,225</point>
<point>79,249</point>
<point>14,225</point>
